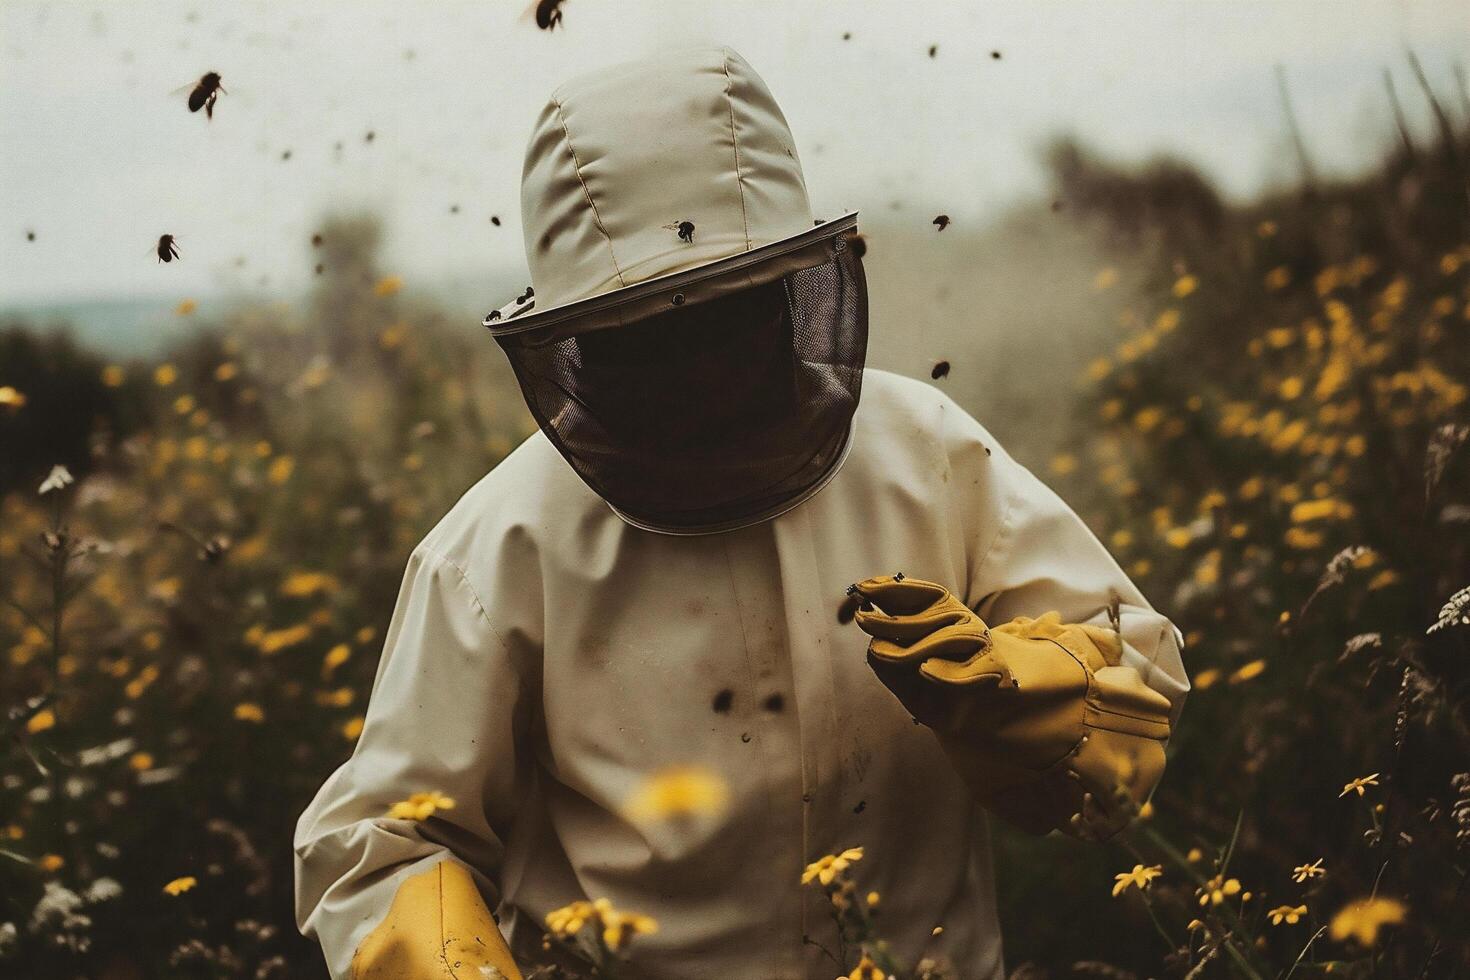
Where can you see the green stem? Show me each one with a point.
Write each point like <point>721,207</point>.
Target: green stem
<point>1315,936</point>
<point>1240,960</point>
<point>1152,914</point>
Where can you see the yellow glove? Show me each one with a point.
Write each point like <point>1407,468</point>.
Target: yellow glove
<point>437,927</point>
<point>1038,716</point>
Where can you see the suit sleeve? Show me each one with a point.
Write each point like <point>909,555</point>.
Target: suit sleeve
<point>1032,553</point>
<point>447,715</point>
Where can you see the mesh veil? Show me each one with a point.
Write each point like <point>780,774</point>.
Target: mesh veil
<point>709,415</point>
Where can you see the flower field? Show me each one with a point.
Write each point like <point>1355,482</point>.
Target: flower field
<point>192,605</point>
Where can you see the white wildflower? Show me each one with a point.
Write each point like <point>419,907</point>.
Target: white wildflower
<point>102,889</point>
<point>57,909</point>
<point>1456,612</point>
<point>59,477</point>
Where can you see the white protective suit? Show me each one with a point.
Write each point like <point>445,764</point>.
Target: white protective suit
<point>548,653</point>
<point>545,656</point>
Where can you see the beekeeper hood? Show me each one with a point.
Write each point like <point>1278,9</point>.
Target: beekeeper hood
<point>693,341</point>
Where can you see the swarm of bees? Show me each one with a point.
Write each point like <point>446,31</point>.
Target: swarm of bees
<point>167,250</point>
<point>205,93</point>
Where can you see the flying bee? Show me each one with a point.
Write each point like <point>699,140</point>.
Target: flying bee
<point>167,251</point>
<point>547,13</point>
<point>205,93</point>
<point>942,221</point>
<point>941,370</point>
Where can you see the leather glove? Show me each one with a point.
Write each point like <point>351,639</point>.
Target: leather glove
<point>437,927</point>
<point>1040,717</point>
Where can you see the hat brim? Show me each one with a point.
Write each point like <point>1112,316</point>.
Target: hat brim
<point>629,304</point>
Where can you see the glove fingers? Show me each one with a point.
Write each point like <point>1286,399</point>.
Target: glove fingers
<point>959,642</point>
<point>980,669</point>
<point>900,596</point>
<point>905,629</point>
<point>894,653</point>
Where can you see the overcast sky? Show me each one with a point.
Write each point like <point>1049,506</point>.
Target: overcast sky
<point>98,159</point>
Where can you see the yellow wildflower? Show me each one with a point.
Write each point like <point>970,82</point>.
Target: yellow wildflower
<point>677,791</point>
<point>277,640</point>
<point>226,371</point>
<point>41,720</point>
<point>1357,785</point>
<point>1105,278</point>
<point>51,862</point>
<point>165,375</point>
<point>11,398</point>
<point>180,885</point>
<point>352,728</point>
<point>420,806</point>
<point>339,698</point>
<point>141,761</point>
<point>569,919</point>
<point>865,970</point>
<point>1217,889</point>
<point>1286,913</point>
<point>1303,872</point>
<point>185,307</point>
<point>1384,578</point>
<point>1166,321</point>
<point>1362,919</point>
<point>1185,285</point>
<point>280,469</point>
<point>113,376</point>
<point>249,711</point>
<point>619,927</point>
<point>1138,878</point>
<point>829,866</point>
<point>302,584</point>
<point>1300,537</point>
<point>336,657</point>
<point>873,898</point>
<point>388,285</point>
<point>1063,463</point>
<point>1253,669</point>
<point>1278,278</point>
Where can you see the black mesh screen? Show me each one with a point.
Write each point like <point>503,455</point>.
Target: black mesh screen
<point>711,413</point>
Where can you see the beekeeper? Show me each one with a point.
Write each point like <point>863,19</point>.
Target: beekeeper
<point>661,575</point>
